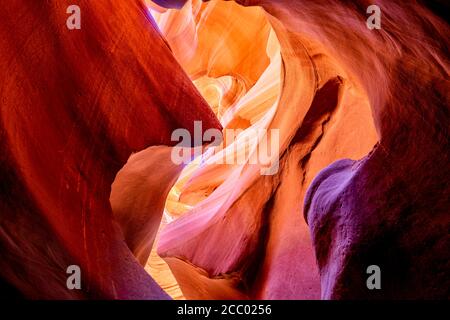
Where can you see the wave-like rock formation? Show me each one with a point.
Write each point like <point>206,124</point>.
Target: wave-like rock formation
<point>346,91</point>
<point>362,132</point>
<point>75,104</point>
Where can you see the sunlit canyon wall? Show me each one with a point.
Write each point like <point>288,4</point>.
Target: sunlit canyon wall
<point>363,178</point>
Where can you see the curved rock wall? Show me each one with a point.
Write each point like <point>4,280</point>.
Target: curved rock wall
<point>74,106</point>
<point>346,92</point>
<point>362,120</point>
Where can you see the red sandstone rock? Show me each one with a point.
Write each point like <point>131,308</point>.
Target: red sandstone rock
<point>65,134</point>
<point>74,106</point>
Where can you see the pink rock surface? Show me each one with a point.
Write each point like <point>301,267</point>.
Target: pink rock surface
<point>344,88</point>
<point>364,150</point>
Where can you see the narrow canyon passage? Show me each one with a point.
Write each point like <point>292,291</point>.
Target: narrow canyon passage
<point>246,149</point>
<point>231,233</point>
<point>232,54</point>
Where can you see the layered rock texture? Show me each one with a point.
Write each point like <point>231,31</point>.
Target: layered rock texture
<point>342,92</point>
<point>74,106</point>
<point>362,136</point>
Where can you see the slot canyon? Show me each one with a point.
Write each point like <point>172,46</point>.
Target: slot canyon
<point>361,123</point>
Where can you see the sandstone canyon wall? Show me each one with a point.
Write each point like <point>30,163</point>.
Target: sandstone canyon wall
<point>346,92</point>
<point>75,105</point>
<point>362,121</point>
